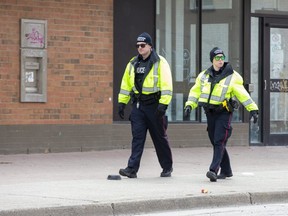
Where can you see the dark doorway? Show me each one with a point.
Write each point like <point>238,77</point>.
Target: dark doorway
<point>131,18</point>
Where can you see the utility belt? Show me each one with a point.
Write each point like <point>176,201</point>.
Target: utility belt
<point>226,106</point>
<point>210,108</point>
<point>145,99</point>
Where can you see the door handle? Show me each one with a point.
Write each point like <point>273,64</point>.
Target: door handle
<point>265,84</point>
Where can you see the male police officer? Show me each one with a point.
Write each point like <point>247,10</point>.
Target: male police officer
<point>147,81</point>
<point>213,90</point>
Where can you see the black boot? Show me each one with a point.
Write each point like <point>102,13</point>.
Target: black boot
<point>129,172</point>
<point>212,176</point>
<point>224,175</point>
<point>166,172</point>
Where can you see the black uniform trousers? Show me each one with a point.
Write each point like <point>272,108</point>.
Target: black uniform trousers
<point>219,130</point>
<point>145,119</point>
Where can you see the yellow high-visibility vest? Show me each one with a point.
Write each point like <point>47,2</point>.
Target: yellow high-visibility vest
<point>228,87</point>
<point>159,79</point>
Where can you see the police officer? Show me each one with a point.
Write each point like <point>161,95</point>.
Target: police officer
<point>147,81</point>
<point>214,90</point>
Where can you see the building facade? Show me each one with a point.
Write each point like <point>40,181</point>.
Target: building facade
<point>58,88</point>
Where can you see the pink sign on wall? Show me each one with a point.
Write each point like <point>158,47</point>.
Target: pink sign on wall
<point>33,33</point>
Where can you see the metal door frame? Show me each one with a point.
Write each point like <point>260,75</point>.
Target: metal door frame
<point>268,23</point>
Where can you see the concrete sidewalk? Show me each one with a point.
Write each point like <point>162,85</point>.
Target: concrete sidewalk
<point>76,183</point>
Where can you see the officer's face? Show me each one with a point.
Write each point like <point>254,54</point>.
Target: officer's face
<point>143,49</point>
<point>218,61</point>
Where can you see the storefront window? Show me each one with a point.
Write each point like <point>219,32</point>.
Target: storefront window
<point>255,71</point>
<point>176,34</point>
<point>278,81</point>
<point>186,43</point>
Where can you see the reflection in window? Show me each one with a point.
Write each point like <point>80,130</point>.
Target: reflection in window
<point>278,113</point>
<point>176,26</point>
<point>254,128</point>
<point>278,81</point>
<point>222,28</point>
<point>279,53</point>
<point>177,39</point>
<point>269,6</point>
<point>211,4</point>
<point>220,37</point>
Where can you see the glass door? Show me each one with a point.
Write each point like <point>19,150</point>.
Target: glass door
<point>275,92</point>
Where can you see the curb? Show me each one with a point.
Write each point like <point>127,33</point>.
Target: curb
<point>85,210</point>
<point>156,205</point>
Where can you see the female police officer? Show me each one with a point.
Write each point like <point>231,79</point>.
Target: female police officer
<point>213,90</point>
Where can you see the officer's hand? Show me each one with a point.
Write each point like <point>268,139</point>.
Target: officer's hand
<point>187,111</point>
<point>121,107</point>
<point>161,109</point>
<point>254,115</point>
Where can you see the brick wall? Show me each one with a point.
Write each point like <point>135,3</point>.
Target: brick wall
<point>80,67</point>
<point>78,112</point>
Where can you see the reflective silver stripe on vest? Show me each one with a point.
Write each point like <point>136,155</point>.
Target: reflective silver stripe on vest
<point>204,95</point>
<point>224,91</point>
<point>156,65</point>
<point>155,74</point>
<point>150,89</point>
<point>166,92</point>
<point>124,92</point>
<point>132,65</point>
<point>203,78</point>
<point>193,99</point>
<point>216,98</point>
<point>130,68</point>
<point>247,102</point>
